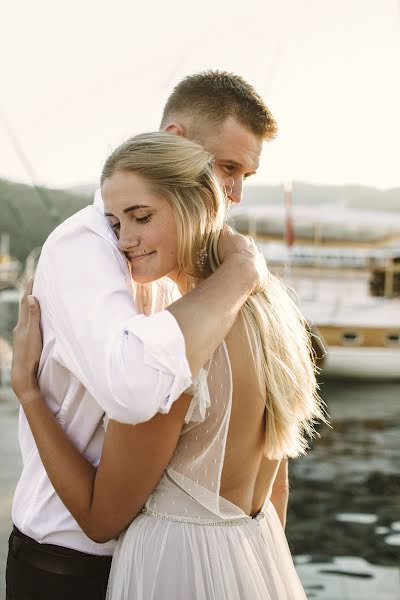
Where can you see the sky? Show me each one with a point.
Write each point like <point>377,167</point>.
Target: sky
<point>80,76</point>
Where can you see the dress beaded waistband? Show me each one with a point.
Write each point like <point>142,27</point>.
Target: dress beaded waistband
<point>245,520</point>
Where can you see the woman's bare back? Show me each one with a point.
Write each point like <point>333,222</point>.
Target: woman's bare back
<point>247,476</point>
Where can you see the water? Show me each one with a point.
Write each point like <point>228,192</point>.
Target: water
<point>344,510</point>
<point>345,498</point>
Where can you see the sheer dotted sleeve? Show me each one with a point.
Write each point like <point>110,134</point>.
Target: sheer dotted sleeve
<point>201,398</point>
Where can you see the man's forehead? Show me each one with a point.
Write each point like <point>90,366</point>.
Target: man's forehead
<point>234,143</point>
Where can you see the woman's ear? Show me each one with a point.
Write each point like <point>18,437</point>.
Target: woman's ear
<point>176,129</point>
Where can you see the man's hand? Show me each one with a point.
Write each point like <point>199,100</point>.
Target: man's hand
<point>27,348</point>
<point>243,248</point>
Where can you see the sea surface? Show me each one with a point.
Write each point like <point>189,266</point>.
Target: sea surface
<point>344,512</point>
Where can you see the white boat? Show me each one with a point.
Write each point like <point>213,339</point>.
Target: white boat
<point>338,260</point>
<point>362,338</point>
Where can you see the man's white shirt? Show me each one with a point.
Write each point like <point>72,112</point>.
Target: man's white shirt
<point>100,355</point>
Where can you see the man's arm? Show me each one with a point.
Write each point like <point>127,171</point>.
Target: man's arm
<point>135,366</point>
<point>103,500</point>
<point>207,313</point>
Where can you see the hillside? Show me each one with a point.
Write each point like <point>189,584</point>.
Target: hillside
<point>351,196</point>
<point>30,214</point>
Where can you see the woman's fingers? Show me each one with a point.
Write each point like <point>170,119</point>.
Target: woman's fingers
<point>34,313</point>
<point>27,346</point>
<point>29,286</point>
<point>24,307</point>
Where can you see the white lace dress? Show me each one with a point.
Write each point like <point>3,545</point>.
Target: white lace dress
<point>191,544</point>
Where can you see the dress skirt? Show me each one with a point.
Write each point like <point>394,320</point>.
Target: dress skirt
<point>162,557</point>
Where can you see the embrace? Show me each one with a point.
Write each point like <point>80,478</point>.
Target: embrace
<point>170,379</point>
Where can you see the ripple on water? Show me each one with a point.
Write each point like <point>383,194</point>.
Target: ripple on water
<point>393,540</point>
<point>363,519</point>
<point>346,577</point>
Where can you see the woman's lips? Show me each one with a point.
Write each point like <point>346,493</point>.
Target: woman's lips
<point>138,256</point>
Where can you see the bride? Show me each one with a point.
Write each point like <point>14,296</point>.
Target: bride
<point>188,492</point>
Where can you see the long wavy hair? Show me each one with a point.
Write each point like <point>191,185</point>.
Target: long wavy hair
<point>181,171</point>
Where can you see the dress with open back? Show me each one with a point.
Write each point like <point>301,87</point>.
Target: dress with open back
<point>189,542</point>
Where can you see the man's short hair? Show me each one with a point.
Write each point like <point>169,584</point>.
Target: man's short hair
<point>213,96</point>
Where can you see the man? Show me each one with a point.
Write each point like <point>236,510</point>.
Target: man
<point>224,114</point>
<point>100,355</point>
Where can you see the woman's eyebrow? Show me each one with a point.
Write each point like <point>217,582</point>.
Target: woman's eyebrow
<point>129,209</point>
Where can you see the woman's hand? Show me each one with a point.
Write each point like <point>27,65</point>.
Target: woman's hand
<point>27,348</point>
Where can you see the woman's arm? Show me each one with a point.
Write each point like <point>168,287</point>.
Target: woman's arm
<point>280,491</point>
<point>122,357</point>
<point>104,500</point>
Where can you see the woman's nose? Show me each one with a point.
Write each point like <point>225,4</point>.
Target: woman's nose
<point>127,239</point>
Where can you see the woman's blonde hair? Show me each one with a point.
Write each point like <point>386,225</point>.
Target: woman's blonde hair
<point>181,171</point>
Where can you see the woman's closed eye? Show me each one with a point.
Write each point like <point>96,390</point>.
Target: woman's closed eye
<point>145,219</point>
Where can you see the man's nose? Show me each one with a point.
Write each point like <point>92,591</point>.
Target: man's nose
<point>235,193</point>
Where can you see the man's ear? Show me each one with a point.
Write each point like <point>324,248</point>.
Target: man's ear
<point>176,129</point>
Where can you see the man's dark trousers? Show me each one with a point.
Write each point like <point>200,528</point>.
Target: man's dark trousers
<point>47,572</point>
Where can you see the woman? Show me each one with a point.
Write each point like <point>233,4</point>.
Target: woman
<point>199,479</point>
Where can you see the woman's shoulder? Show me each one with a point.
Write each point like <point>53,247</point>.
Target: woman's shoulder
<point>242,359</point>
<point>240,347</point>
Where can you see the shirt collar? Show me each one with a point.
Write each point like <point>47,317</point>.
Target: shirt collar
<point>97,222</point>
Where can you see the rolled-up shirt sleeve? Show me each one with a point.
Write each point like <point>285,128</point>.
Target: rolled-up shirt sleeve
<point>159,348</point>
<point>133,365</point>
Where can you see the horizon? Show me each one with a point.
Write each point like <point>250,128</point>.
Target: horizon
<point>88,189</point>
<point>255,182</point>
